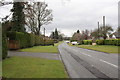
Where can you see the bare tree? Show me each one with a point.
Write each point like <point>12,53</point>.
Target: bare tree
<point>103,32</point>
<point>37,15</point>
<point>2,3</point>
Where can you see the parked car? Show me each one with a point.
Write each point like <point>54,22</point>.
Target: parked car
<point>74,43</point>
<point>67,41</point>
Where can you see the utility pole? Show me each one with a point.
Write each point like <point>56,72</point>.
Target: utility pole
<point>44,36</point>
<point>103,21</point>
<point>104,26</point>
<point>98,30</point>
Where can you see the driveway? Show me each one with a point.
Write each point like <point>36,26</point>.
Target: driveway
<point>84,63</point>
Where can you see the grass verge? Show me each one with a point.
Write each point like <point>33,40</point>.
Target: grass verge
<point>0,68</point>
<point>28,67</point>
<point>102,48</point>
<point>42,49</point>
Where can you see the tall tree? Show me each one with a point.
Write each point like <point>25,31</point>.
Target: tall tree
<point>7,25</point>
<point>103,32</point>
<point>78,31</point>
<point>37,15</point>
<point>18,17</point>
<point>76,36</point>
<point>52,35</point>
<point>56,34</point>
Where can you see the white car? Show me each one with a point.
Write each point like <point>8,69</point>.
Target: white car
<point>74,43</point>
<point>67,41</point>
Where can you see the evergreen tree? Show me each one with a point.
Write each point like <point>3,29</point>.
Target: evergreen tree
<point>52,35</point>
<point>56,34</point>
<point>18,17</point>
<point>78,31</point>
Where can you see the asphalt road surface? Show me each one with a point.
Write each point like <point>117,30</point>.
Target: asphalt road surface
<point>84,63</point>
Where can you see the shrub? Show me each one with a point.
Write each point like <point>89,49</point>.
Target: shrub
<point>32,40</point>
<point>72,40</point>
<point>109,42</point>
<point>25,39</point>
<point>4,46</point>
<point>100,42</point>
<point>118,42</point>
<point>56,41</point>
<point>87,42</point>
<point>80,42</point>
<point>49,42</point>
<point>38,40</point>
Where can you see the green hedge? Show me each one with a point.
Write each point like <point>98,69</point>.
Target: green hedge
<point>4,46</point>
<point>112,42</point>
<point>28,40</point>
<point>100,42</point>
<point>87,42</point>
<point>109,42</point>
<point>25,39</point>
<point>80,42</point>
<point>49,42</point>
<point>38,40</point>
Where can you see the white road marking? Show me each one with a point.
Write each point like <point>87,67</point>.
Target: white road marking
<point>86,54</point>
<point>101,60</point>
<point>109,63</point>
<point>83,53</point>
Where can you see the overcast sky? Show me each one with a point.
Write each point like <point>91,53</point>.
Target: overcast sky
<point>71,15</point>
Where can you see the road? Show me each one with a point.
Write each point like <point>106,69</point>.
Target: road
<point>84,63</point>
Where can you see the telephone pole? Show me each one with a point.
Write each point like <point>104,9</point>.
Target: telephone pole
<point>104,27</point>
<point>98,30</point>
<point>103,21</point>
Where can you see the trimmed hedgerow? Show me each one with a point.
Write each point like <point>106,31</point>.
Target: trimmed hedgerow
<point>80,42</point>
<point>25,39</point>
<point>100,42</point>
<point>49,42</point>
<point>31,40</point>
<point>38,40</point>
<point>109,42</point>
<point>87,42</point>
<point>4,46</point>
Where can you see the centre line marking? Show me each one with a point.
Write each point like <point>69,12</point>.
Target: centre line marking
<point>109,63</point>
<point>83,53</point>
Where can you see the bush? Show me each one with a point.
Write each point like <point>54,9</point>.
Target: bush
<point>25,39</point>
<point>109,42</point>
<point>56,41</point>
<point>4,46</point>
<point>87,42</point>
<point>80,42</point>
<point>49,42</point>
<point>38,40</point>
<point>72,40</point>
<point>100,42</point>
<point>32,40</point>
<point>118,42</point>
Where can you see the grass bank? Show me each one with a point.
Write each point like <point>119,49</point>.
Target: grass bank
<point>42,49</point>
<point>102,48</point>
<point>28,67</point>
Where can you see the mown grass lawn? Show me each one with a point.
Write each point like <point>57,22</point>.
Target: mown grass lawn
<point>28,67</point>
<point>42,49</point>
<point>0,68</point>
<point>102,48</point>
